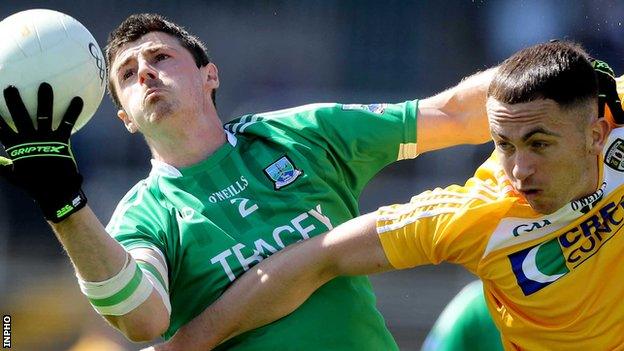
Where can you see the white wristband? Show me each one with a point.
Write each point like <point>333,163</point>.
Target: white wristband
<point>120,294</point>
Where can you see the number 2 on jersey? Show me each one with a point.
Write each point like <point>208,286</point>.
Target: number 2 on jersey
<point>243,208</point>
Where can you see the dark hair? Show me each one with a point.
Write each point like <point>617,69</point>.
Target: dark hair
<point>559,71</point>
<point>136,26</point>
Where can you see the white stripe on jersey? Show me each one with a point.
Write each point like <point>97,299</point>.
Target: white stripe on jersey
<point>414,205</point>
<point>477,193</point>
<point>412,219</point>
<point>449,201</point>
<point>231,127</point>
<point>297,109</point>
<point>244,121</point>
<point>254,119</point>
<point>240,122</point>
<point>392,214</point>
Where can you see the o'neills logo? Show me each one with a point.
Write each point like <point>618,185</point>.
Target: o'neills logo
<point>585,204</point>
<point>230,191</point>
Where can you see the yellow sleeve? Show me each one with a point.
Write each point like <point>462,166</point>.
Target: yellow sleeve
<point>451,224</point>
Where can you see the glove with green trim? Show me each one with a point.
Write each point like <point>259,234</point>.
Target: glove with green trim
<point>609,104</point>
<point>40,159</point>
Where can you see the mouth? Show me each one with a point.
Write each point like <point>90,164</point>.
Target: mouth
<point>530,194</point>
<point>152,92</point>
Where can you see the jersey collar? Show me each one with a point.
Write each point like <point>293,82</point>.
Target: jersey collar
<point>160,168</point>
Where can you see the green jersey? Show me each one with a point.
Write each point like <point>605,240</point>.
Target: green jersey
<point>465,324</point>
<point>282,177</point>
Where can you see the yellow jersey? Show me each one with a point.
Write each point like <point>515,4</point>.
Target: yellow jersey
<point>552,282</point>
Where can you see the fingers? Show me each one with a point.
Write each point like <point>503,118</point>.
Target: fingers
<point>45,100</point>
<point>18,111</point>
<point>45,103</point>
<point>601,106</point>
<point>5,162</point>
<point>70,117</point>
<point>607,90</point>
<point>7,134</point>
<point>6,168</point>
<point>615,107</point>
<point>604,68</point>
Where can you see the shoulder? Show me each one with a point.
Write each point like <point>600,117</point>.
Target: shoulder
<point>142,193</point>
<point>141,204</point>
<point>280,118</point>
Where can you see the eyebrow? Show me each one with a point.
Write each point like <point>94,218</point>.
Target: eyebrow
<point>150,50</point>
<point>531,133</point>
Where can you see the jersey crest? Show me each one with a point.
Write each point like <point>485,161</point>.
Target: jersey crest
<point>374,108</point>
<point>282,172</point>
<point>614,157</point>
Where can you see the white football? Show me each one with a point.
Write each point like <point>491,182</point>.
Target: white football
<point>48,46</point>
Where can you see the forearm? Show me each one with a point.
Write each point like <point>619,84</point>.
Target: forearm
<point>95,254</point>
<point>289,277</point>
<point>250,302</point>
<point>455,116</point>
<point>97,257</point>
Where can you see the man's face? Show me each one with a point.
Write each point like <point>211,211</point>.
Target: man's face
<point>158,82</point>
<point>548,153</point>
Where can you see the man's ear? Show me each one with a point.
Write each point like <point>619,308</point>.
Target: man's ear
<point>130,126</point>
<point>211,76</point>
<point>600,130</point>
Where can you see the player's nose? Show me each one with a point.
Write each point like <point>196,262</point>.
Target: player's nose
<point>146,71</point>
<point>524,166</point>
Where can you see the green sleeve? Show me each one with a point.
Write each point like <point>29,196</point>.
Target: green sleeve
<point>369,135</point>
<point>139,221</point>
<point>360,139</point>
<point>465,324</point>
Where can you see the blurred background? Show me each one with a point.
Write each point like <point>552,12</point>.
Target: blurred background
<point>276,54</point>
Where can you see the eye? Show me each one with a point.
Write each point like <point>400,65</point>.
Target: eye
<point>127,74</point>
<point>504,146</point>
<point>161,57</point>
<point>540,145</point>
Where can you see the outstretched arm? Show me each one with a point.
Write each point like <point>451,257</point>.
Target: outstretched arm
<point>41,163</point>
<point>293,274</point>
<point>455,116</point>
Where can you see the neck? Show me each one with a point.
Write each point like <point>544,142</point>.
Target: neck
<point>594,181</point>
<point>595,178</point>
<point>188,143</point>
